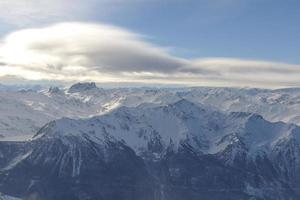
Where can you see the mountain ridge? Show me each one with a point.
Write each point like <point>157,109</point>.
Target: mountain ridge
<point>246,167</point>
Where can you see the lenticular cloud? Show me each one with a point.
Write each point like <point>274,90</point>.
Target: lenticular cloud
<point>107,53</point>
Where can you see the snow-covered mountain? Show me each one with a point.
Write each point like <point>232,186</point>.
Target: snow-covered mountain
<point>24,112</point>
<point>205,129</point>
<point>274,105</point>
<point>84,142</point>
<point>180,150</point>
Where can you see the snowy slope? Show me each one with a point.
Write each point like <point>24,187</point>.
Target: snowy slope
<point>206,130</point>
<point>171,124</point>
<point>274,105</point>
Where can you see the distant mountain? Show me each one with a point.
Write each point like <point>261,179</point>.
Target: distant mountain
<point>177,151</point>
<point>14,88</point>
<point>274,105</point>
<point>23,112</point>
<point>81,87</point>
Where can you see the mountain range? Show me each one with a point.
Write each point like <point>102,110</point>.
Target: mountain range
<point>85,142</point>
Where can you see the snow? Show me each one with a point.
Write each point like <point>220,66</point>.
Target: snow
<point>17,160</point>
<point>6,197</point>
<point>16,138</point>
<point>206,130</point>
<point>137,115</point>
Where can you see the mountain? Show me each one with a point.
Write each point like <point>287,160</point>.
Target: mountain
<point>177,151</point>
<point>24,112</point>
<point>274,105</point>
<point>81,87</point>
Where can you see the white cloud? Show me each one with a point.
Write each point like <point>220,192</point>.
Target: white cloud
<point>81,46</point>
<point>104,53</point>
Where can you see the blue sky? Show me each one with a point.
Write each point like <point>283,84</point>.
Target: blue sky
<point>257,29</point>
<point>229,33</point>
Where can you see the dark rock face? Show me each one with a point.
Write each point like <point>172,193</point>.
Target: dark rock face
<point>186,175</point>
<point>78,168</point>
<point>79,87</point>
<point>54,90</point>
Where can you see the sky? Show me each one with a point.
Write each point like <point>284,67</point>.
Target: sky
<point>234,43</point>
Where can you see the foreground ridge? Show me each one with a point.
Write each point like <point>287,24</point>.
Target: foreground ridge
<point>180,150</point>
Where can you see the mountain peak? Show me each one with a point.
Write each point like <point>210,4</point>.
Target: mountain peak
<point>79,87</point>
<point>184,103</point>
<point>54,90</point>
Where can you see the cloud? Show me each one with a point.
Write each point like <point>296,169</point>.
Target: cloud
<point>103,53</point>
<point>67,47</point>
